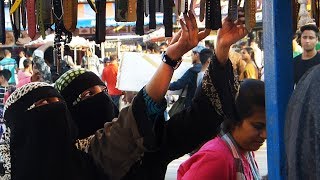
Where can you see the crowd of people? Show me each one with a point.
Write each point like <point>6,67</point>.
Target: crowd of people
<point>71,126</point>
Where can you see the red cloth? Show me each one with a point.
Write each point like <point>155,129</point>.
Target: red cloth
<point>109,75</point>
<point>214,161</point>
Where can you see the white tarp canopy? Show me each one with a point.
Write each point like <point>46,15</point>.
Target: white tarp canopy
<point>136,69</point>
<point>76,41</point>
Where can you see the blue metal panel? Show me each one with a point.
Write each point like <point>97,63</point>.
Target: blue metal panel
<point>277,39</point>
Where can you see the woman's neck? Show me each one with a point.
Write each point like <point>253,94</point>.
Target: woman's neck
<point>236,137</point>
<point>248,60</point>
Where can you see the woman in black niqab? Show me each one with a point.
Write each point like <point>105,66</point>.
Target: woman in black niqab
<point>39,143</point>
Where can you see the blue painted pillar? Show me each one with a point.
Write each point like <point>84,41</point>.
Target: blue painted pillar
<point>277,39</point>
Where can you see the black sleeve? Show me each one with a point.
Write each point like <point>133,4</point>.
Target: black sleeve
<point>150,129</point>
<point>201,122</point>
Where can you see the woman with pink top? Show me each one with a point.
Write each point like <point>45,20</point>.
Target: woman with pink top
<point>230,155</point>
<point>24,75</point>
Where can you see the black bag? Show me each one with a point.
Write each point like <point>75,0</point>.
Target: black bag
<point>178,105</point>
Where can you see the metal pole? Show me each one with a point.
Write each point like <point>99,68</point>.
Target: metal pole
<point>277,39</point>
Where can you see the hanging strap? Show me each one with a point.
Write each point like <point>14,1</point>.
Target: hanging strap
<point>146,7</point>
<point>140,18</point>
<point>15,22</point>
<point>157,2</point>
<point>40,18</point>
<point>152,14</point>
<point>179,7</point>
<point>250,14</point>
<point>216,18</point>
<point>70,13</point>
<point>202,10</point>
<point>91,4</point>
<point>101,21</point>
<point>186,6</point>
<point>31,17</point>
<point>161,6</point>
<point>24,14</point>
<point>167,17</point>
<point>132,8</point>
<point>15,6</point>
<point>58,14</point>
<point>233,10</point>
<point>2,24</point>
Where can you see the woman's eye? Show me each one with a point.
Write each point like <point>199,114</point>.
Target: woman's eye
<point>46,101</point>
<point>86,94</point>
<point>258,126</point>
<point>41,102</point>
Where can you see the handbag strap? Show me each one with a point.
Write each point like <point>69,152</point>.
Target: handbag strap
<point>184,88</point>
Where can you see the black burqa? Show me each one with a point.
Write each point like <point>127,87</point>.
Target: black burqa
<point>302,128</point>
<point>42,138</point>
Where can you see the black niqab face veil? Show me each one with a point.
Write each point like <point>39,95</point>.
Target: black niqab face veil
<point>302,128</point>
<point>40,137</point>
<point>89,114</point>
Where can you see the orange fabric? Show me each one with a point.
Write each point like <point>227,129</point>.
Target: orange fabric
<point>109,76</point>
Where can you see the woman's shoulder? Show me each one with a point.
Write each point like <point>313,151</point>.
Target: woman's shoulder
<point>212,161</point>
<point>216,145</point>
<point>250,65</point>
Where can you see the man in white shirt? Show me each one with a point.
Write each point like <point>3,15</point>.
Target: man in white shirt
<point>257,54</point>
<point>91,62</point>
<point>22,56</point>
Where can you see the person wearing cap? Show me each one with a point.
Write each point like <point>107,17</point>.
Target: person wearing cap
<point>188,80</point>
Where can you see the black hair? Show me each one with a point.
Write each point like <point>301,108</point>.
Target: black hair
<point>164,44</point>
<point>205,54</point>
<point>209,44</point>
<point>152,46</point>
<point>1,55</point>
<point>250,52</point>
<point>48,55</point>
<point>6,74</point>
<point>27,63</point>
<point>67,50</point>
<point>310,27</point>
<point>250,99</point>
<point>28,54</point>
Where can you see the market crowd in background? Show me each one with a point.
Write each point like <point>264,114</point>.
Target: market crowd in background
<point>28,65</point>
<point>18,68</point>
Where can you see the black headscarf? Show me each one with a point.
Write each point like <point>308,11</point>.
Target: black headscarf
<point>89,114</point>
<point>302,128</point>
